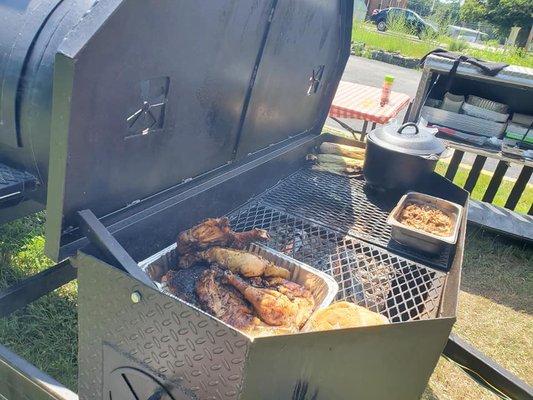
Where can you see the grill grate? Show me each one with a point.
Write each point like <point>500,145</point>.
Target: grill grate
<point>367,275</point>
<point>349,206</point>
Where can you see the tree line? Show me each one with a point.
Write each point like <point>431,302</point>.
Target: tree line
<point>500,14</point>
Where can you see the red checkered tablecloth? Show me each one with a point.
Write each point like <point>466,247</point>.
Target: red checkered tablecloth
<point>357,101</point>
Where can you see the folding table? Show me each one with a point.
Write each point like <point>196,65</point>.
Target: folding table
<point>361,102</point>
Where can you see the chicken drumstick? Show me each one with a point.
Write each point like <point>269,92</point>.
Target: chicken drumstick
<point>273,307</point>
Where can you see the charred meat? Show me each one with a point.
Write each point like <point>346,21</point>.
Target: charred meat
<point>174,285</point>
<point>229,305</point>
<point>240,288</point>
<point>216,232</point>
<point>182,283</point>
<point>223,301</point>
<point>237,261</point>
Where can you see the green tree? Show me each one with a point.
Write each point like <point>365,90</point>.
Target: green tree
<point>422,7</point>
<point>508,13</point>
<point>503,14</point>
<point>447,13</point>
<point>440,12</point>
<point>473,11</point>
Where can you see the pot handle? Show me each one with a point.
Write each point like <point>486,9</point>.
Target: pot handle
<point>408,124</point>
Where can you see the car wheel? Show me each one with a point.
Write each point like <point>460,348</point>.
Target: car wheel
<point>382,26</point>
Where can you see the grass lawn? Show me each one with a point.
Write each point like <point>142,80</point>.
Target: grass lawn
<point>410,47</point>
<point>367,34</point>
<point>45,333</point>
<point>495,314</point>
<point>481,186</point>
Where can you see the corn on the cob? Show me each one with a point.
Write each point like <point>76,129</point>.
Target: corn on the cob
<point>339,160</point>
<point>342,150</point>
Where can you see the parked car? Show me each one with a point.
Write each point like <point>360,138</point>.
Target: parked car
<point>412,19</point>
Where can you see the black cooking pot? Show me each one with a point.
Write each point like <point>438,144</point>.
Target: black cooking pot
<point>399,158</point>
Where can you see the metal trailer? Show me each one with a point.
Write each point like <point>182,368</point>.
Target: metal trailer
<point>513,85</point>
<point>136,120</point>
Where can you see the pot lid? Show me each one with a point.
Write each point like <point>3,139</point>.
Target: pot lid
<point>409,138</point>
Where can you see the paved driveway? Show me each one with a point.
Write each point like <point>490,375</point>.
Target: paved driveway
<point>371,72</point>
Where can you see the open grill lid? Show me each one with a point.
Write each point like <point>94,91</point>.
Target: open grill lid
<point>148,96</point>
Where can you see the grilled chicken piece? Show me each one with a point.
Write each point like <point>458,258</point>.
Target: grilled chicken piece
<point>261,329</point>
<point>298,295</point>
<point>237,261</point>
<point>273,307</point>
<point>216,232</point>
<point>223,301</point>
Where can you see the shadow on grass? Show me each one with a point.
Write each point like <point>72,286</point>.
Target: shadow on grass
<point>498,268</point>
<point>44,332</point>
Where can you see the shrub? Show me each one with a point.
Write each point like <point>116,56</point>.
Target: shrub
<point>457,45</point>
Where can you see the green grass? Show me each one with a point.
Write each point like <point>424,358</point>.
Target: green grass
<point>45,332</point>
<point>481,186</point>
<point>408,46</point>
<point>457,45</point>
<point>494,314</point>
<point>363,33</point>
<point>509,55</point>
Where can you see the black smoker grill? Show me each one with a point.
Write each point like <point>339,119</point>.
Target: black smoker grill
<point>161,114</point>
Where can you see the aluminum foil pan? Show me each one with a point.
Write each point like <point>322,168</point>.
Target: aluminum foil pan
<point>322,286</point>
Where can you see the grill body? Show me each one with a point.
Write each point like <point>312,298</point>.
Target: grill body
<point>206,359</point>
<point>123,99</point>
<point>157,116</point>
<point>192,352</point>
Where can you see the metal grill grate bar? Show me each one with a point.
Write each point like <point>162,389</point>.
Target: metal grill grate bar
<point>347,205</point>
<point>400,289</point>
